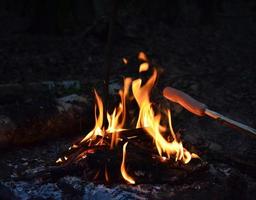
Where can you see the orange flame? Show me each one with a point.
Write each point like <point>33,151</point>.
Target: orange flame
<point>142,56</point>
<point>116,120</point>
<point>97,130</point>
<point>148,119</point>
<point>106,174</point>
<point>151,122</point>
<point>144,67</point>
<point>128,178</point>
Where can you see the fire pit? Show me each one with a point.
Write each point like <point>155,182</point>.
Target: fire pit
<point>132,152</point>
<point>137,154</point>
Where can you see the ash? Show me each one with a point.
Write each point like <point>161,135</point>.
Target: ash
<point>222,179</point>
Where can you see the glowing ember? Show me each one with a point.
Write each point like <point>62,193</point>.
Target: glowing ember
<point>106,174</point>
<point>148,119</point>
<point>125,61</point>
<point>59,160</point>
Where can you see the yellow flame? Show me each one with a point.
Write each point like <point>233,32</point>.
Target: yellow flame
<point>97,130</point>
<point>147,119</point>
<point>128,178</point>
<point>170,124</point>
<point>116,120</point>
<point>144,67</point>
<point>151,122</point>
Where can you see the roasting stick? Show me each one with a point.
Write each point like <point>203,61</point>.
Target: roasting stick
<point>201,109</point>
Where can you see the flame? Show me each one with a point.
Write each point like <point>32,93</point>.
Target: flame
<point>97,130</point>
<point>106,174</point>
<point>142,56</point>
<point>151,122</point>
<point>148,119</point>
<point>116,120</point>
<point>128,178</point>
<point>170,124</point>
<point>144,67</point>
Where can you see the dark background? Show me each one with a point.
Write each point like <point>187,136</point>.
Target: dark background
<point>53,39</point>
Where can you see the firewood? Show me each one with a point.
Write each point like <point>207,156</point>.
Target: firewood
<point>96,162</point>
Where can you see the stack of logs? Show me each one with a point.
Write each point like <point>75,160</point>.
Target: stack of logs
<point>101,164</point>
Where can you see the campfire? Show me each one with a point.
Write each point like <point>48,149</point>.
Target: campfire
<point>117,151</point>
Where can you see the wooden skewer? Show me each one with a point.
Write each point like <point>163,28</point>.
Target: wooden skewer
<point>201,109</point>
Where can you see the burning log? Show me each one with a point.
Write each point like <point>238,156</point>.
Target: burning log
<point>102,165</point>
<point>134,136</point>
